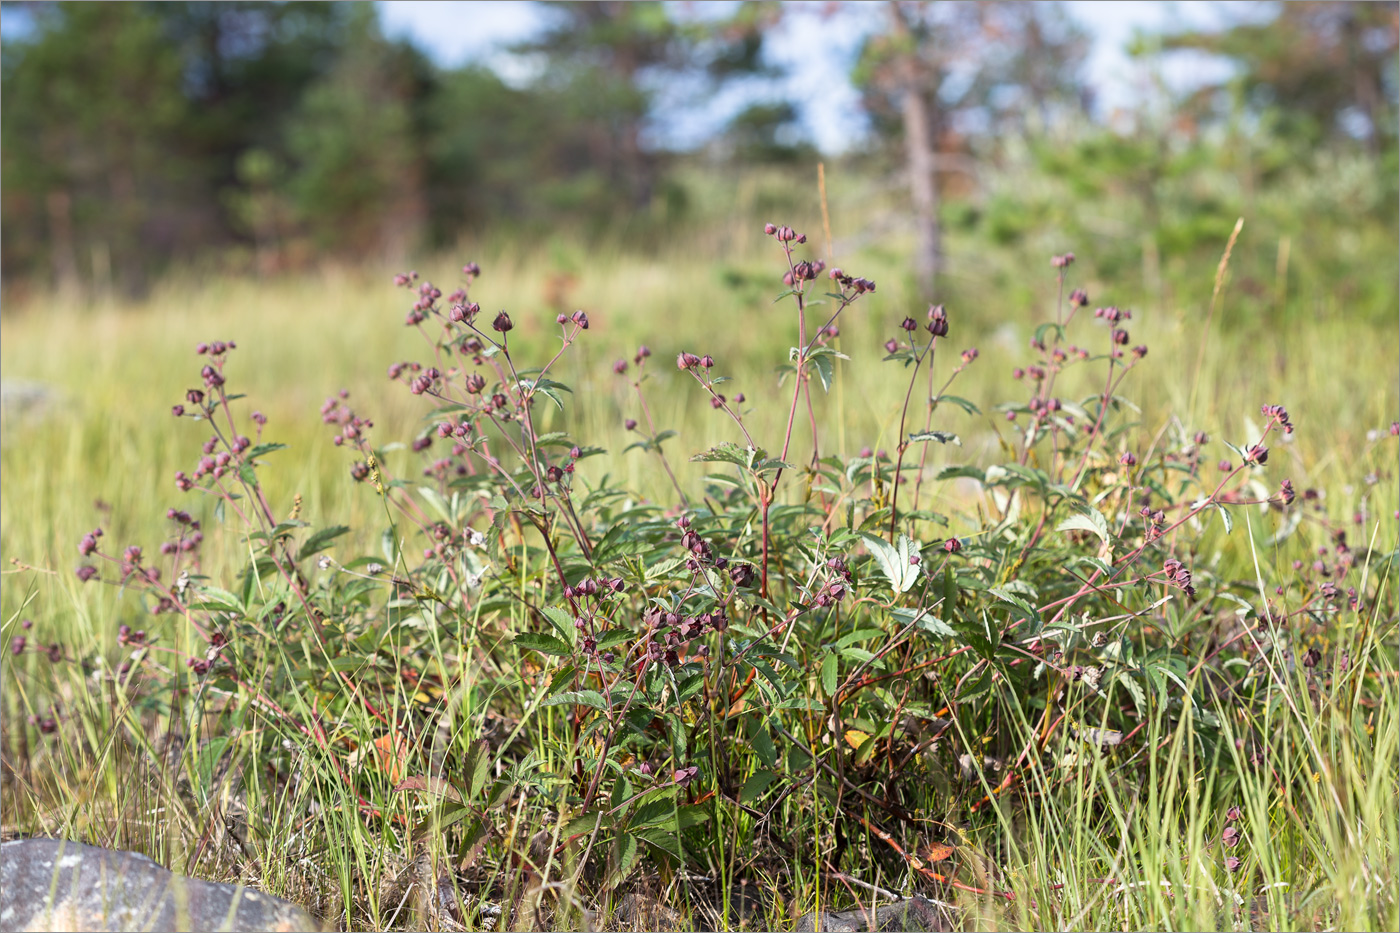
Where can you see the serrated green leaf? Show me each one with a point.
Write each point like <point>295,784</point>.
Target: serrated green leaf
<point>435,499</point>
<point>726,452</point>
<point>1086,522</point>
<point>624,858</point>
<point>211,597</point>
<point>953,472</point>
<point>755,786</point>
<point>762,743</point>
<point>654,813</point>
<point>615,637</point>
<point>544,644</point>
<point>823,366</point>
<point>479,767</point>
<point>590,698</point>
<point>943,437</point>
<point>584,823</point>
<point>1134,690</point>
<point>959,401</point>
<point>895,562</point>
<point>830,666</point>
<point>563,622</point>
<point>321,540</point>
<point>262,449</point>
<point>667,842</point>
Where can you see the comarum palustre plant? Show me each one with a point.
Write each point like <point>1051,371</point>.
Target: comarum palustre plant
<point>807,669</point>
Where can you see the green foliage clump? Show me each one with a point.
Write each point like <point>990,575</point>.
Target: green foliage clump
<point>816,664</point>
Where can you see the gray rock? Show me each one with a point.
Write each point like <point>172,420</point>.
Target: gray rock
<point>911,914</point>
<point>53,884</point>
<point>26,398</point>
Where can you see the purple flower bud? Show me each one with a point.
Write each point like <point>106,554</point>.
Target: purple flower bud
<point>620,367</point>
<point>1079,298</point>
<point>471,270</point>
<point>17,644</point>
<point>1257,454</point>
<point>630,424</point>
<point>952,545</point>
<point>891,345</point>
<point>741,574</point>
<point>908,324</point>
<point>1232,864</point>
<point>969,354</point>
<point>937,321</point>
<point>87,545</point>
<point>177,410</point>
<point>1128,460</point>
<point>502,323</point>
<point>770,230</point>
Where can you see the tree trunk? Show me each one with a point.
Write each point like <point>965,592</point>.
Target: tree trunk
<point>923,187</point>
<point>918,121</point>
<point>62,251</point>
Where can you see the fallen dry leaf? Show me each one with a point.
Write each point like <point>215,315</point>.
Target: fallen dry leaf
<point>391,754</point>
<point>936,851</point>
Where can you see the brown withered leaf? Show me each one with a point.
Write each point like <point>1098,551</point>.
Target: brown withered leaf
<point>438,786</point>
<point>391,753</point>
<point>854,737</point>
<point>936,851</point>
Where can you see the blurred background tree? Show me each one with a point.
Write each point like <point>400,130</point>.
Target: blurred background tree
<point>142,138</point>
<point>944,72</point>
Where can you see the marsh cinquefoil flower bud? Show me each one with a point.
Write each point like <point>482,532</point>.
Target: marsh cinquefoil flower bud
<point>938,321</point>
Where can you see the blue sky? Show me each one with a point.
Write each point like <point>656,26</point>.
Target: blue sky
<point>816,50</point>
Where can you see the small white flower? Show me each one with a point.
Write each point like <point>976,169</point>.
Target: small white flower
<point>478,539</point>
<point>472,581</point>
<point>374,569</point>
<point>324,563</point>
